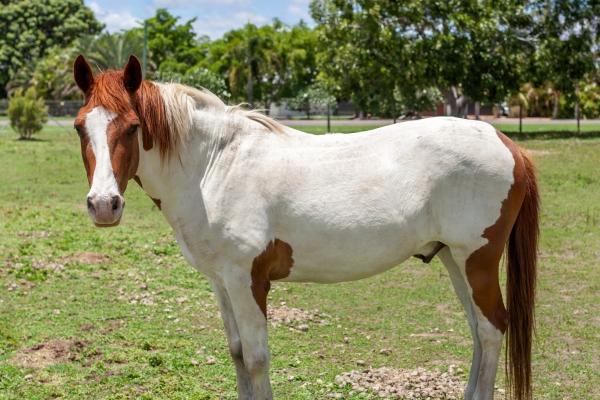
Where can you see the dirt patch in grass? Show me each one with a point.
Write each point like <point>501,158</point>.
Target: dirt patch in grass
<point>404,384</point>
<point>296,318</point>
<point>88,257</point>
<point>49,353</point>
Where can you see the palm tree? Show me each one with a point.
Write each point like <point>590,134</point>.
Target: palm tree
<point>112,50</point>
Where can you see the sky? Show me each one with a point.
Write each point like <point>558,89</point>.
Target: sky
<point>213,17</point>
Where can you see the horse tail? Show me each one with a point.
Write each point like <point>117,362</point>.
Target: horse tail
<point>520,287</point>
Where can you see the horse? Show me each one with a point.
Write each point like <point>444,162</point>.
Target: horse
<point>252,201</point>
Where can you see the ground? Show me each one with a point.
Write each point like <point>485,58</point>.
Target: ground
<point>118,314</point>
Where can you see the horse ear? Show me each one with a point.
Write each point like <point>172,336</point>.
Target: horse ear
<point>132,77</point>
<point>83,74</point>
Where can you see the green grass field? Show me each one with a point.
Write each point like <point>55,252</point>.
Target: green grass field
<point>140,323</point>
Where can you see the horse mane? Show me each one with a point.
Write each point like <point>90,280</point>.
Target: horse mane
<point>181,100</point>
<point>166,110</point>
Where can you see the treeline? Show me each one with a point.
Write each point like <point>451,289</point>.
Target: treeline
<point>389,58</point>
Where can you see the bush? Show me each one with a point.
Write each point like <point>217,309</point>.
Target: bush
<point>27,113</point>
<point>194,77</point>
<point>590,100</point>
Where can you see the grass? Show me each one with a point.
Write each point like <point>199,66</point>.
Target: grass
<point>147,321</point>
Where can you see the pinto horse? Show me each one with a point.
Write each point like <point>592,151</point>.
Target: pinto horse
<point>252,201</point>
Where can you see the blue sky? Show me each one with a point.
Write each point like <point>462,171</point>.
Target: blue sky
<point>214,17</point>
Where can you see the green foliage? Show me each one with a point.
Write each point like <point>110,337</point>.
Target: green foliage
<point>387,56</point>
<point>196,77</point>
<point>29,28</point>
<point>535,101</point>
<point>264,64</point>
<point>111,50</point>
<point>27,113</point>
<point>314,95</point>
<point>567,36</point>
<point>53,75</point>
<point>171,41</point>
<point>589,97</point>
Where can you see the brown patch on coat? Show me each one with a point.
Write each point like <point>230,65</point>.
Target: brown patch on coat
<point>275,262</point>
<point>482,266</point>
<point>139,182</point>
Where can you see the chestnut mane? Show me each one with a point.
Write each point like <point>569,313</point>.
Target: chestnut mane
<point>166,110</point>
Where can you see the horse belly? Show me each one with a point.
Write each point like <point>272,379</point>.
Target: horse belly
<point>350,256</point>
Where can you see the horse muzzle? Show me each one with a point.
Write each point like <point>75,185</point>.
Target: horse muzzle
<point>105,210</point>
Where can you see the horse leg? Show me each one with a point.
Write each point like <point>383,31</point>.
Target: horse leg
<point>480,269</point>
<point>460,287</point>
<point>252,328</point>
<point>244,386</point>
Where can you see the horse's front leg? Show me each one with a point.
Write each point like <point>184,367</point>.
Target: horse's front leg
<point>252,328</point>
<point>244,386</point>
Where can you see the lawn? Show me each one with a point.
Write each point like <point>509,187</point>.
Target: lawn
<point>135,321</point>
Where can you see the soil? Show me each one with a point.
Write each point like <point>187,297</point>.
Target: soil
<point>49,353</point>
<point>393,383</point>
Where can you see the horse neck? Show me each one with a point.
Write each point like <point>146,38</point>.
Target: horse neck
<point>210,136</point>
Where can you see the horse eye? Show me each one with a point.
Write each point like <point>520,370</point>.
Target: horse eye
<point>132,129</point>
<point>79,130</point>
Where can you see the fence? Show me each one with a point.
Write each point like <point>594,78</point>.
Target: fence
<point>56,108</point>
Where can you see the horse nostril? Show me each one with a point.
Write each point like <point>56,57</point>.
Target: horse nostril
<point>90,205</point>
<point>114,201</point>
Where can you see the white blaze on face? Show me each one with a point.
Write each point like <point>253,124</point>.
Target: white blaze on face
<point>104,183</point>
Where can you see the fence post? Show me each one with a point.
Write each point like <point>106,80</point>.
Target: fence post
<point>577,111</point>
<point>328,118</point>
<point>520,118</point>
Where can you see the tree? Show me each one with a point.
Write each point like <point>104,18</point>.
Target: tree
<point>374,48</point>
<point>172,42</point>
<point>316,95</point>
<point>52,77</point>
<point>290,67</point>
<point>590,99</point>
<point>267,63</point>
<point>567,33</point>
<point>197,76</point>
<point>27,113</point>
<point>29,28</point>
<point>111,50</point>
<point>243,55</point>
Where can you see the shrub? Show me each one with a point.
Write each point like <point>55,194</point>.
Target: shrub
<point>590,100</point>
<point>27,113</point>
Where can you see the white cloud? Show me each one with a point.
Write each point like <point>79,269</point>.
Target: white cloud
<point>114,21</point>
<point>299,8</point>
<point>216,25</point>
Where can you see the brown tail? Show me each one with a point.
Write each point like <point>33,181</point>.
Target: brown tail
<point>520,289</point>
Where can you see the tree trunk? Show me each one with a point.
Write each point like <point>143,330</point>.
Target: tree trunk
<point>462,104</point>
<point>457,105</point>
<point>450,100</point>
<point>477,109</point>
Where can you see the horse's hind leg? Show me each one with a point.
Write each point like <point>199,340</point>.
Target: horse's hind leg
<point>479,272</point>
<point>460,287</point>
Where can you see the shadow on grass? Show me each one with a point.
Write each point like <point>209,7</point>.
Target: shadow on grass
<point>22,139</point>
<point>549,135</point>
